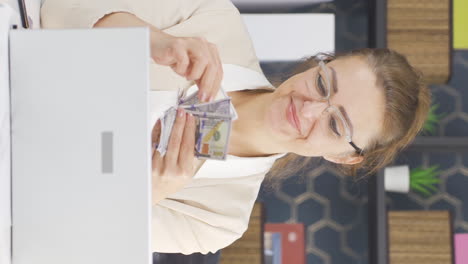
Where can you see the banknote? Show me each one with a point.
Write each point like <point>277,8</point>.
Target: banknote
<point>220,107</point>
<point>167,122</point>
<point>192,99</point>
<point>189,100</point>
<point>213,124</point>
<point>211,135</point>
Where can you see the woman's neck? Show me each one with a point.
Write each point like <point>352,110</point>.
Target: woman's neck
<point>247,137</point>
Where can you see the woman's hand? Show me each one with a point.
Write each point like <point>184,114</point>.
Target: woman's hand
<point>193,58</point>
<point>173,171</point>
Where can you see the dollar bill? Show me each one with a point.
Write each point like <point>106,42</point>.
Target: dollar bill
<point>189,100</point>
<point>212,135</point>
<point>167,122</point>
<point>220,107</point>
<point>192,100</point>
<point>213,124</point>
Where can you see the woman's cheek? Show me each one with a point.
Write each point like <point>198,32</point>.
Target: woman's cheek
<point>275,119</point>
<point>317,141</point>
<point>299,87</point>
<point>309,144</point>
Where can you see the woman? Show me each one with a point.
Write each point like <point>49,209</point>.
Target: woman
<point>357,110</point>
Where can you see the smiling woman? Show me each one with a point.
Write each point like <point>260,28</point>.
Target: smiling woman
<point>379,97</point>
<point>306,116</point>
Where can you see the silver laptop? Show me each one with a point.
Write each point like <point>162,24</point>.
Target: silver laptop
<point>81,185</point>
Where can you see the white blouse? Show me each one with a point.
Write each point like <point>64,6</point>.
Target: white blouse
<point>214,209</point>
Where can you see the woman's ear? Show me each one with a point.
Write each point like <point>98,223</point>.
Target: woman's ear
<point>350,160</point>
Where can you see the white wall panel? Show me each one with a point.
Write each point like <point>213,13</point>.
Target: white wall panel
<point>289,37</point>
<point>250,4</point>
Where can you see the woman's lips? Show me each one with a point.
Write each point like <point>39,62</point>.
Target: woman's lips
<point>296,119</point>
<point>292,117</point>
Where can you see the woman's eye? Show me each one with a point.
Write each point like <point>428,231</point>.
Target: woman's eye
<point>321,88</point>
<point>334,126</point>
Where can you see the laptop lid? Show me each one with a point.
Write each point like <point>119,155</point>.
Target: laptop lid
<point>81,186</point>
<point>7,19</point>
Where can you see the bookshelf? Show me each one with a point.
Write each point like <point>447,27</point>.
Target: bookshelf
<point>393,27</point>
<point>378,222</point>
<point>248,248</point>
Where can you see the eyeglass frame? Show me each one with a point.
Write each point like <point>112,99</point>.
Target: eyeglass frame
<point>348,131</point>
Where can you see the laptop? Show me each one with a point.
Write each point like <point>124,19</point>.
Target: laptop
<point>81,153</point>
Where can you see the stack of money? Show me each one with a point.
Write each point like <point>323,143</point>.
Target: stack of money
<point>213,125</point>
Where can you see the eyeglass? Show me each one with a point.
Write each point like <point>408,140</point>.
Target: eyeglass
<point>336,121</point>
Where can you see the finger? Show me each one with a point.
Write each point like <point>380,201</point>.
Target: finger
<point>186,154</point>
<point>167,48</point>
<point>182,64</point>
<point>206,82</point>
<point>156,133</point>
<point>198,65</point>
<point>165,57</point>
<point>211,74</point>
<point>157,160</point>
<point>155,137</point>
<point>219,71</point>
<point>175,138</point>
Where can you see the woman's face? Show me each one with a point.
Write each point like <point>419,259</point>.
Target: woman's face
<point>354,93</point>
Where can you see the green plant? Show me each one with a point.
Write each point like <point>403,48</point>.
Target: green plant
<point>423,180</point>
<point>432,120</point>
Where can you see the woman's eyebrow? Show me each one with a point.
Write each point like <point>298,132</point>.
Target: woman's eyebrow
<point>341,108</point>
<point>334,80</point>
<point>345,115</point>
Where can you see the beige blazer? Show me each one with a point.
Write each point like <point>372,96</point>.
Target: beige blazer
<point>209,213</point>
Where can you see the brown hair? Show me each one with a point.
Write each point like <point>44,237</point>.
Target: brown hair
<point>407,105</point>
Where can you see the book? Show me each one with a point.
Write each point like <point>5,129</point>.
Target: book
<point>292,241</point>
<point>248,248</point>
<point>272,248</point>
<point>461,248</point>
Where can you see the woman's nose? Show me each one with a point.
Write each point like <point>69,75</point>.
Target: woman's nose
<point>313,109</point>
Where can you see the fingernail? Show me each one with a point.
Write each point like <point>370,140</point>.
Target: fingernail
<point>181,112</point>
<point>212,98</point>
<point>203,97</point>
